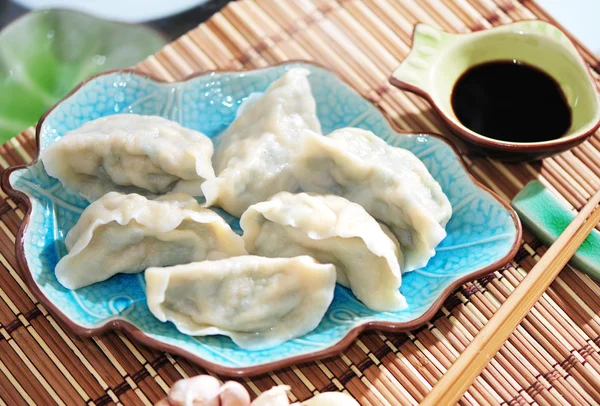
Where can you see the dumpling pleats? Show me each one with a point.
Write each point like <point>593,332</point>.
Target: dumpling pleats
<point>392,184</point>
<point>258,302</point>
<point>253,155</point>
<point>129,233</point>
<point>129,153</point>
<point>332,230</point>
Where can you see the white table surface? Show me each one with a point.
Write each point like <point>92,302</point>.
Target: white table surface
<point>580,17</point>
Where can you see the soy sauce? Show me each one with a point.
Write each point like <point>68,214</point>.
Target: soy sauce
<point>511,101</point>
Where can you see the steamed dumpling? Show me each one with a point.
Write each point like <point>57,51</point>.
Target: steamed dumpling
<point>277,396</point>
<point>205,390</point>
<point>330,399</point>
<point>252,156</point>
<point>332,230</point>
<point>129,153</point>
<point>258,302</point>
<point>201,390</point>
<point>391,184</point>
<point>129,233</point>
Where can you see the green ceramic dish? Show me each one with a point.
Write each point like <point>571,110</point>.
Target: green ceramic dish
<point>438,59</point>
<point>44,54</point>
<point>547,217</point>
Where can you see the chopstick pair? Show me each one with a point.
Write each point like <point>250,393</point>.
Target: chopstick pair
<point>461,374</point>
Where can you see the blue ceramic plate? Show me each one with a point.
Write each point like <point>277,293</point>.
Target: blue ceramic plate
<point>483,233</point>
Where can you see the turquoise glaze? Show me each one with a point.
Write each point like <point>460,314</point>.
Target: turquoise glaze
<point>481,232</point>
<point>547,217</point>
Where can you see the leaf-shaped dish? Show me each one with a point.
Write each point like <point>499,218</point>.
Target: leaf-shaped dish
<point>483,234</point>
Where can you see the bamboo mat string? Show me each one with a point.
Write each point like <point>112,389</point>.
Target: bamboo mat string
<point>525,377</point>
<point>552,358</point>
<point>559,158</point>
<point>509,316</point>
<point>586,297</point>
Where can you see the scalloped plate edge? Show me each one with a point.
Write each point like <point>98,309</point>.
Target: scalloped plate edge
<point>135,333</point>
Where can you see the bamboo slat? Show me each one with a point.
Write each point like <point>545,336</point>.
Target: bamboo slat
<point>500,326</point>
<point>552,358</point>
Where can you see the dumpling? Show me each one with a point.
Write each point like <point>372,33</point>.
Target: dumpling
<point>332,230</point>
<point>258,302</point>
<point>277,396</point>
<point>252,156</point>
<point>205,390</point>
<point>129,233</point>
<point>391,184</point>
<point>201,390</point>
<point>129,153</point>
<point>330,399</point>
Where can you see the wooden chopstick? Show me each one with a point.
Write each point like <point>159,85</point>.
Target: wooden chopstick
<point>461,374</point>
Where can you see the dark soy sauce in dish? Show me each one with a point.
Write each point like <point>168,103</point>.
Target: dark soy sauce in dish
<point>511,101</point>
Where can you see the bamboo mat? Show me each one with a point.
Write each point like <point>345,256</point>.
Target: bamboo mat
<point>552,358</point>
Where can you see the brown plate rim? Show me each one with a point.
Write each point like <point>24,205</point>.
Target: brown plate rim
<point>486,142</point>
<point>138,335</point>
